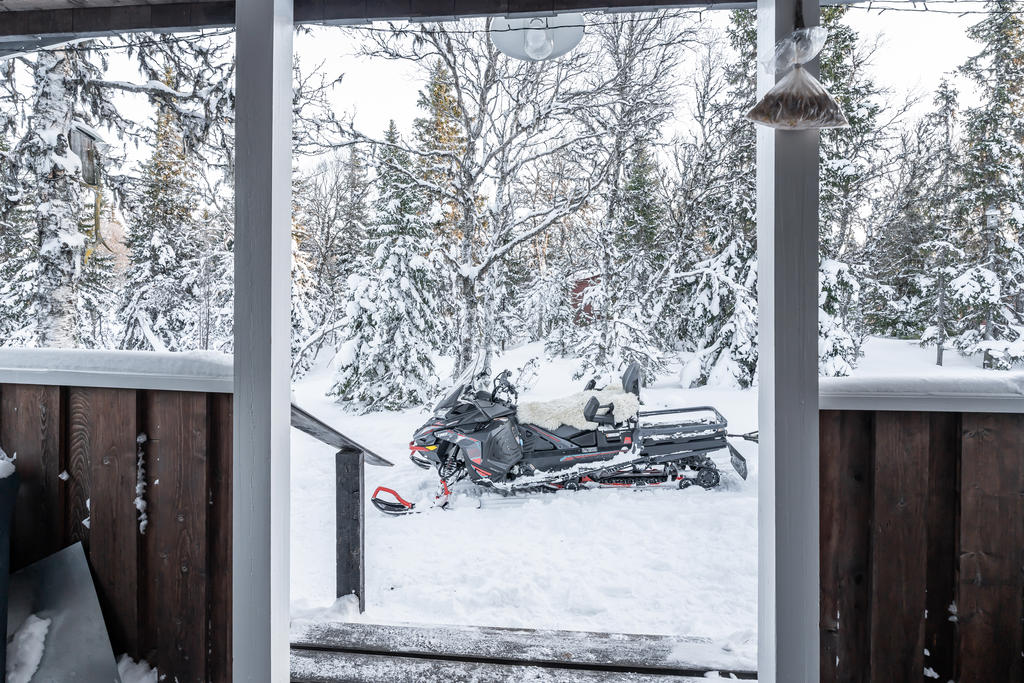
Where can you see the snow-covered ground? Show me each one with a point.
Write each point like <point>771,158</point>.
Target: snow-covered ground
<point>645,561</point>
<point>659,561</point>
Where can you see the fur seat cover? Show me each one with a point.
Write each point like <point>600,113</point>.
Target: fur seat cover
<point>568,410</point>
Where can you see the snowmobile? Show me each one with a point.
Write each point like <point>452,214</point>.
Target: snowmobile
<point>597,438</point>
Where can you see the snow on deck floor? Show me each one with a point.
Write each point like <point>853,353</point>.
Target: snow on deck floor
<point>648,561</point>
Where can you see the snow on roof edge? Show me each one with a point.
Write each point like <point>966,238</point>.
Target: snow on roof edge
<point>956,391</point>
<point>204,371</point>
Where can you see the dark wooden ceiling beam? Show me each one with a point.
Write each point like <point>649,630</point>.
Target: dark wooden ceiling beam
<point>29,26</point>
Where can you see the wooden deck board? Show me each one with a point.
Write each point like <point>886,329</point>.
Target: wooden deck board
<point>559,648</point>
<point>310,666</point>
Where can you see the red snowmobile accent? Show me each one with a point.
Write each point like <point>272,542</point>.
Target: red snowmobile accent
<point>388,506</point>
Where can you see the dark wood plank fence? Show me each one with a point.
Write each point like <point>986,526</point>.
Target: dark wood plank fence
<point>165,593</point>
<point>922,546</point>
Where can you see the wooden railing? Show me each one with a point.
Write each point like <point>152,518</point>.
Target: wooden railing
<point>922,531</point>
<point>922,520</point>
<point>84,425</point>
<point>78,423</point>
<point>165,591</point>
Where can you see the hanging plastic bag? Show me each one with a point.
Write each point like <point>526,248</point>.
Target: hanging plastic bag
<point>798,101</point>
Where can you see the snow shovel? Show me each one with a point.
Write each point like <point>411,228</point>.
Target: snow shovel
<point>75,645</point>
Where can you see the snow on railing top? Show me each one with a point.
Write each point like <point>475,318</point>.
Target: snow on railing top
<point>205,371</point>
<point>953,390</point>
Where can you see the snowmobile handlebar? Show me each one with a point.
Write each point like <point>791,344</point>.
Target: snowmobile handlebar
<point>501,383</point>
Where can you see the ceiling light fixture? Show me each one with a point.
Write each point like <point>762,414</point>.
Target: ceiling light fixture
<point>534,39</point>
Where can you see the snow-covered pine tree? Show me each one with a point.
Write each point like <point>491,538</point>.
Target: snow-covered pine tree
<point>851,166</point>
<point>640,55</point>
<point>941,258</point>
<point>68,89</point>
<point>839,342</point>
<point>900,225</point>
<point>621,321</point>
<point>165,243</point>
<point>994,176</point>
<point>354,209</point>
<point>96,288</point>
<point>330,216</point>
<point>385,361</point>
<point>711,200</point>
<point>311,322</point>
<point>914,250</point>
<point>212,282</point>
<point>438,140</point>
<point>547,267</point>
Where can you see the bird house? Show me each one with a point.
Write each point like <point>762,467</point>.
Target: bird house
<point>87,145</point>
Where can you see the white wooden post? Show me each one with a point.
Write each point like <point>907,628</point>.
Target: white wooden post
<point>787,242</point>
<point>262,331</point>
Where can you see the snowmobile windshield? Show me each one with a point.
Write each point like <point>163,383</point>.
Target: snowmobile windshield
<point>464,380</point>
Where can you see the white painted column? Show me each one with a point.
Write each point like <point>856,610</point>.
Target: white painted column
<point>787,233</point>
<point>262,329</point>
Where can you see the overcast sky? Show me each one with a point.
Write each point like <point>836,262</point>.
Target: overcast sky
<point>917,50</point>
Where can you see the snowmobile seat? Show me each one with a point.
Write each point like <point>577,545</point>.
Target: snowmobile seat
<point>570,411</point>
<point>568,432</point>
<point>631,379</point>
<point>595,412</point>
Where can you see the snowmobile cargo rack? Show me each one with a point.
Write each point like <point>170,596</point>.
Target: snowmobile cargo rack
<point>689,427</point>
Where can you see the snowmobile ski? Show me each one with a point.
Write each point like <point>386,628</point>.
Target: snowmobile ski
<point>398,506</point>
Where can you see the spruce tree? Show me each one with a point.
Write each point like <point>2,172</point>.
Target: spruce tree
<point>439,136</point>
<point>165,244</point>
<point>901,225</point>
<point>850,168</point>
<point>329,221</point>
<point>96,287</point>
<point>942,259</point>
<point>915,251</point>
<point>354,210</point>
<point>310,318</point>
<point>386,358</point>
<point>712,213</point>
<point>641,54</point>
<point>550,269</point>
<point>994,176</point>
